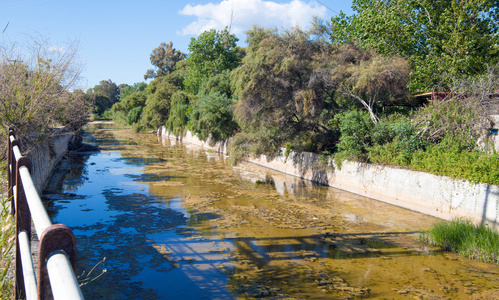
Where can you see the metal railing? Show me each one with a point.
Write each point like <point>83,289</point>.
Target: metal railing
<point>57,245</point>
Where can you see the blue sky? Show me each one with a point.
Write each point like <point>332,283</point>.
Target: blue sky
<point>116,37</point>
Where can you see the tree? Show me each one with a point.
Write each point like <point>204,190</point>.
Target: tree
<point>127,90</point>
<point>157,105</point>
<point>131,101</point>
<point>179,113</point>
<point>285,93</point>
<point>133,115</point>
<point>109,89</point>
<point>376,82</point>
<point>210,54</point>
<point>106,93</point>
<point>212,118</point>
<point>164,58</point>
<point>442,39</point>
<point>219,83</point>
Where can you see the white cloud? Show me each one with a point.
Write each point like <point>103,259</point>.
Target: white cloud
<point>243,14</point>
<point>56,49</point>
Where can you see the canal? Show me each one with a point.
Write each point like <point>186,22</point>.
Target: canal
<point>155,219</point>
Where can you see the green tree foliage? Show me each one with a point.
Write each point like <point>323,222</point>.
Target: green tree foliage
<point>274,103</point>
<point>288,88</point>
<point>133,115</point>
<point>130,102</point>
<point>164,58</point>
<point>291,84</point>
<point>122,108</point>
<point>126,90</point>
<point>210,54</point>
<point>442,39</point>
<point>106,93</point>
<point>212,118</point>
<point>157,105</point>
<point>219,83</point>
<point>109,89</point>
<point>180,111</point>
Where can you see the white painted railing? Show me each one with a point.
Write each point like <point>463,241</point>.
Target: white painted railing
<point>57,247</point>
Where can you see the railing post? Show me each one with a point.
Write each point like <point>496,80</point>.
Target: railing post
<point>54,238</point>
<point>10,155</point>
<point>11,169</point>
<point>23,223</point>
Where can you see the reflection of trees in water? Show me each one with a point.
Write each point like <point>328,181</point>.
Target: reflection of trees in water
<point>68,176</point>
<point>77,173</point>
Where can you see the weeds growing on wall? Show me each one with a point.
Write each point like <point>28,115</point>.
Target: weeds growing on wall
<point>479,242</point>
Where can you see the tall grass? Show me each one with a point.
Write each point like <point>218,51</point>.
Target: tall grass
<point>478,242</point>
<point>7,240</point>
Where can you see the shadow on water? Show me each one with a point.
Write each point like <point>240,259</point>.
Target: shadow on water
<point>127,207</point>
<point>337,246</point>
<point>101,196</point>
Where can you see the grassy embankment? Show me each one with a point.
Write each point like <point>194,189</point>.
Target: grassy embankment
<point>478,242</point>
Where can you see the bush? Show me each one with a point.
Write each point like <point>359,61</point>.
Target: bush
<point>355,128</point>
<point>449,158</point>
<point>108,114</point>
<point>394,141</point>
<point>461,118</point>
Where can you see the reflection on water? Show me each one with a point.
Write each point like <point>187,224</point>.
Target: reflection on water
<point>179,223</point>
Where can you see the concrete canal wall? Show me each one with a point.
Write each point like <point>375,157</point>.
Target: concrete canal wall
<point>47,155</point>
<point>438,196</point>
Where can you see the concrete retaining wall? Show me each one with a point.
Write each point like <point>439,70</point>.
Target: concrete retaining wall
<point>46,156</point>
<point>438,196</point>
<point>220,147</point>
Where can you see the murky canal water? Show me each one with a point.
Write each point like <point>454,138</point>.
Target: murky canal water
<point>156,220</point>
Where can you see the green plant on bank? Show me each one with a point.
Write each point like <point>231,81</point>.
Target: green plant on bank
<point>289,148</point>
<point>478,242</point>
<point>355,128</point>
<point>447,159</point>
